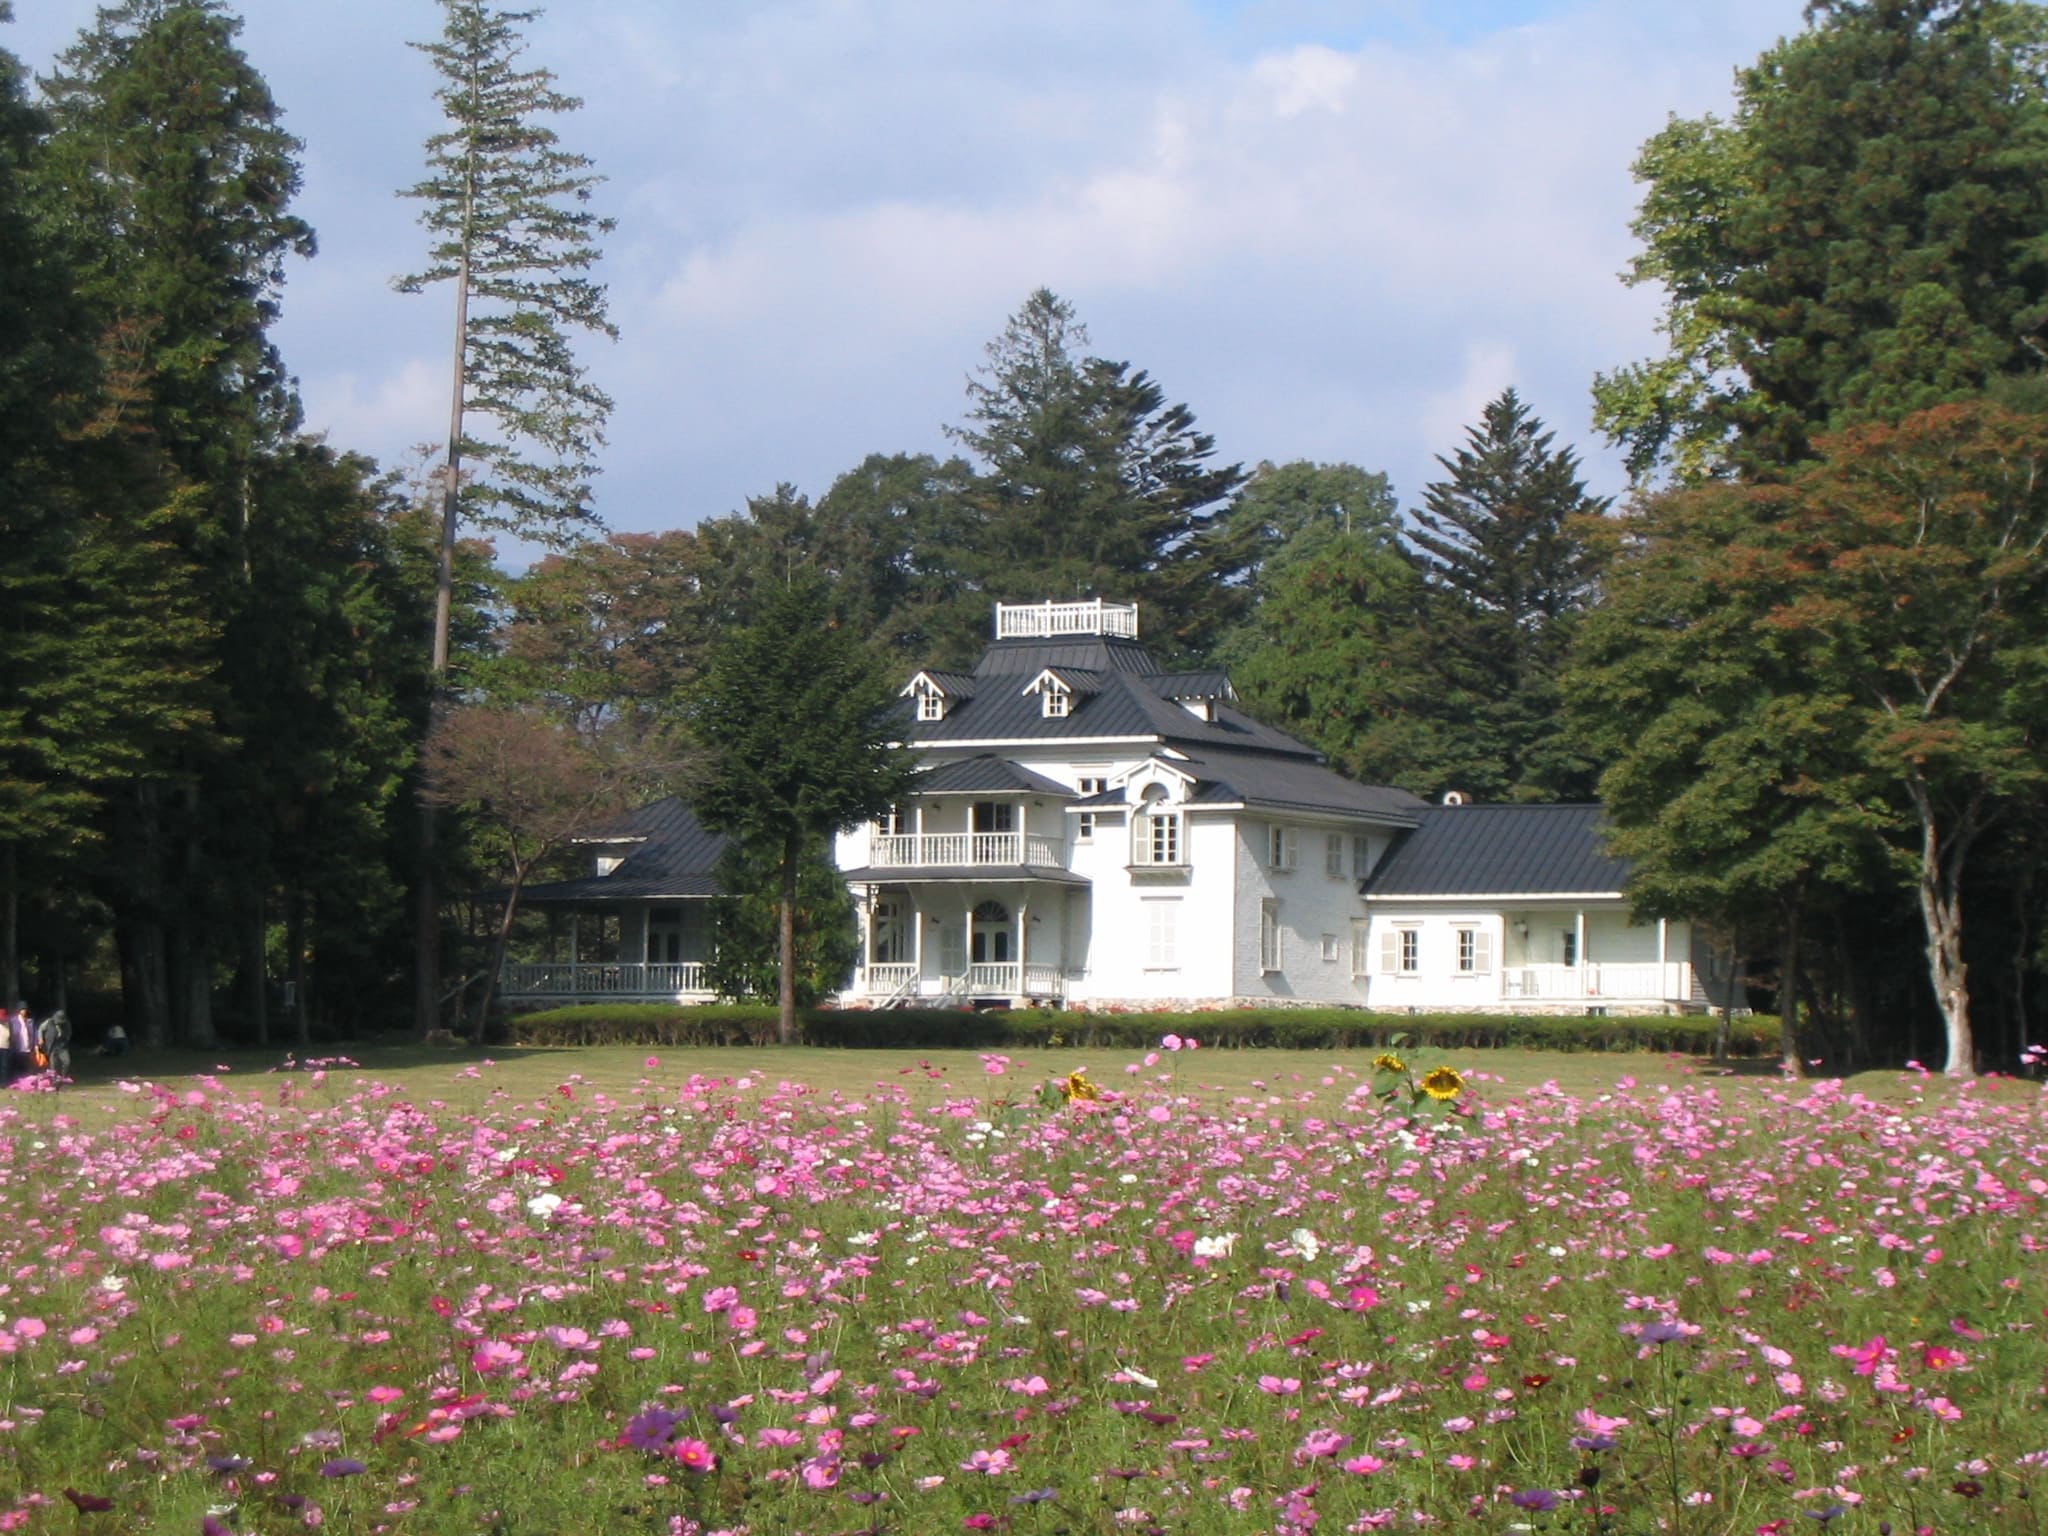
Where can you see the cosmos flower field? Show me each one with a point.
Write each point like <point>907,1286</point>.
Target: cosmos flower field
<point>310,1299</point>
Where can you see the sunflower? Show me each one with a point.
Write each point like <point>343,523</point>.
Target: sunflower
<point>1387,1061</point>
<point>1443,1083</point>
<point>1077,1086</point>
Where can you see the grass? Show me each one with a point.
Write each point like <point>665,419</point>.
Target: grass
<point>569,1292</point>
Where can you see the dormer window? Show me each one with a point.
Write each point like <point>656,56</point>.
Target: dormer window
<point>931,706</point>
<point>1053,703</point>
<point>1201,709</point>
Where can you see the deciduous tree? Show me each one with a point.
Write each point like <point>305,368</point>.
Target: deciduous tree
<point>1866,236</point>
<point>530,784</point>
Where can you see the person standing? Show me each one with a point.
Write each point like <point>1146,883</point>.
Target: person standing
<point>21,1041</point>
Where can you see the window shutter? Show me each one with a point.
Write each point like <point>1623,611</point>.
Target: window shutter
<point>1390,952</point>
<point>1482,952</point>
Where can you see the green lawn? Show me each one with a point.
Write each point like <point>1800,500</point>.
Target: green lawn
<point>1298,1081</point>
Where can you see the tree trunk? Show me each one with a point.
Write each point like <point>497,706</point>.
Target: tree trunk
<point>1941,912</point>
<point>785,991</point>
<point>10,926</point>
<point>500,941</point>
<point>295,942</point>
<point>191,956</point>
<point>426,933</point>
<point>426,999</point>
<point>1941,909</point>
<point>145,989</point>
<point>255,969</point>
<point>1793,908</point>
<point>1726,1025</point>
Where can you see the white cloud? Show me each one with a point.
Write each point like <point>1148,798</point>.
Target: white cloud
<point>1335,230</point>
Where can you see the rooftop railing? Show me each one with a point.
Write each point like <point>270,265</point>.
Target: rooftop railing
<point>1045,621</point>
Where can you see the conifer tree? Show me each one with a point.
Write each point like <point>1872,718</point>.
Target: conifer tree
<point>799,726</point>
<point>173,176</point>
<point>507,210</point>
<point>1510,576</point>
<point>513,234</point>
<point>1093,484</point>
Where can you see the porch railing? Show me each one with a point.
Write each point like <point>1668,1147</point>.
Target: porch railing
<point>984,979</point>
<point>624,978</point>
<point>914,850</point>
<point>1600,981</point>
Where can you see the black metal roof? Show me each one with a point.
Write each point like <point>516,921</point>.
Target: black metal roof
<point>675,857</point>
<point>1194,685</point>
<point>1127,705</point>
<point>1501,850</point>
<point>954,685</point>
<point>1089,653</point>
<point>1290,784</point>
<point>987,774</point>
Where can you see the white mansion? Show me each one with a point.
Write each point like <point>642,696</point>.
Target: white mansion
<point>1090,830</point>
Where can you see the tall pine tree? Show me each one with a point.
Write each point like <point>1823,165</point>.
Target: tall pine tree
<point>513,235</point>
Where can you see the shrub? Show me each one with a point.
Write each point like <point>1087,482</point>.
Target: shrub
<point>1347,1029</point>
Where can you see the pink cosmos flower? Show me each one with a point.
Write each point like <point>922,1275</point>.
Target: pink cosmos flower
<point>1280,1386</point>
<point>992,1463</point>
<point>693,1456</point>
<point>1864,1357</point>
<point>494,1356</point>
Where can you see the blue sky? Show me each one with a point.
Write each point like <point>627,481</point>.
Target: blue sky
<point>1335,228</point>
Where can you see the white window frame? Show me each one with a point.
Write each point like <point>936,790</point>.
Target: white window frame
<point>1475,951</point>
<point>1333,855</point>
<point>1053,702</point>
<point>1272,944</point>
<point>1282,851</point>
<point>1158,839</point>
<point>1361,951</point>
<point>1401,950</point>
<point>1087,785</point>
<point>931,705</point>
<point>1329,949</point>
<point>894,822</point>
<point>1361,855</point>
<point>1162,932</point>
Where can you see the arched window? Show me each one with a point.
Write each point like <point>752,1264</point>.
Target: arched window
<point>992,937</point>
<point>1156,831</point>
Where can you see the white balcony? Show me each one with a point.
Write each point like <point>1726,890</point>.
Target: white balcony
<point>1045,621</point>
<point>1595,982</point>
<point>583,981</point>
<point>991,850</point>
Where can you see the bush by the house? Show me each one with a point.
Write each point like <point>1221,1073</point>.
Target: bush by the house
<point>1340,1029</point>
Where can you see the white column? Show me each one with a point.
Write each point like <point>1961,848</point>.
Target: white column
<point>1663,958</point>
<point>1579,943</point>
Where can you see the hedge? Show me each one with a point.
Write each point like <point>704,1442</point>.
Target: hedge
<point>658,1024</point>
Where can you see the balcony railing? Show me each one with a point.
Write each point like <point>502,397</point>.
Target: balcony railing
<point>1043,621</point>
<point>604,979</point>
<point>981,979</point>
<point>1598,981</point>
<point>970,849</point>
